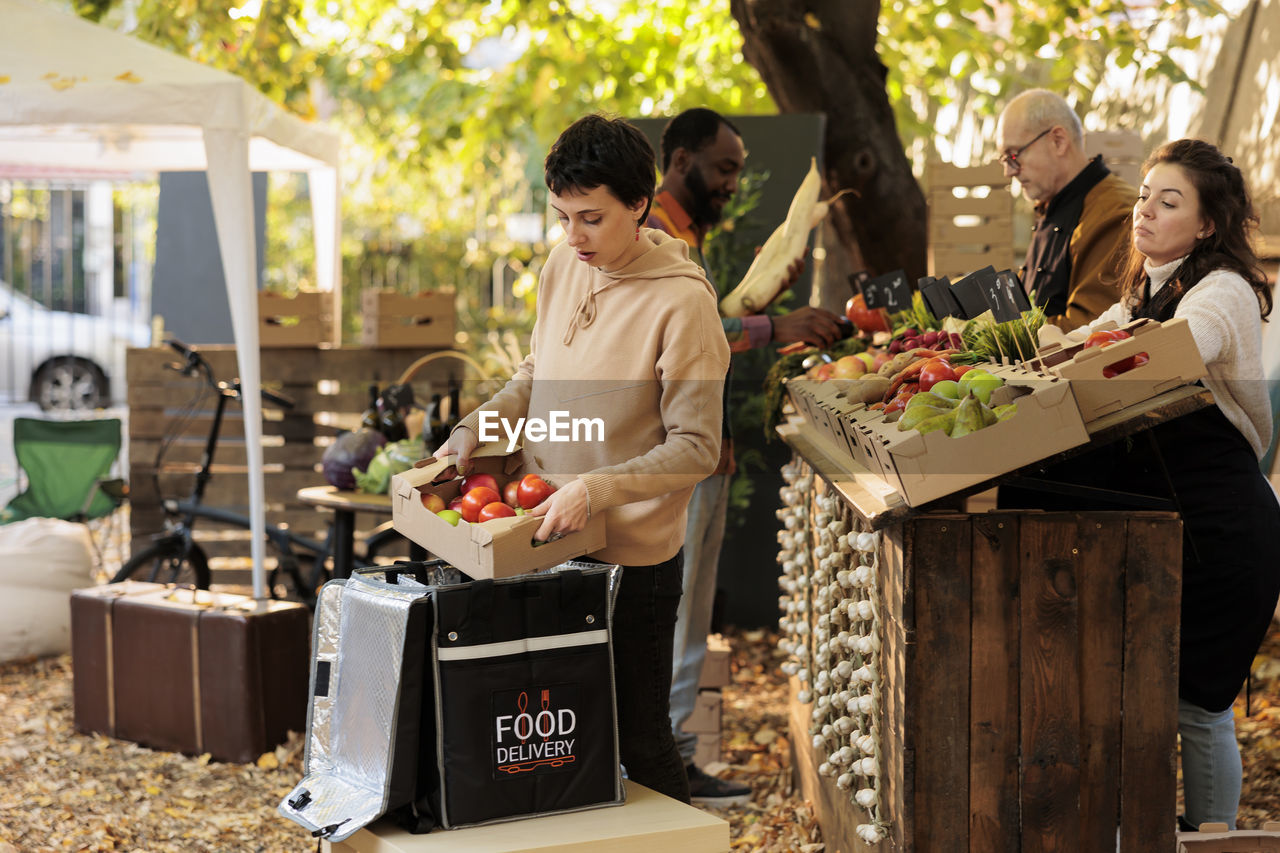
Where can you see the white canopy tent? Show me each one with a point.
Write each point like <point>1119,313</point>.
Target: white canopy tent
<point>74,94</point>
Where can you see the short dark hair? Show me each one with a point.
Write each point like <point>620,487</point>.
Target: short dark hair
<point>692,130</point>
<point>598,151</point>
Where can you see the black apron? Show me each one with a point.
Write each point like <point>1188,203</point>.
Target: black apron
<point>1231,532</point>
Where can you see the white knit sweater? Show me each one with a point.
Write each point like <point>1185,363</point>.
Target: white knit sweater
<point>1222,313</point>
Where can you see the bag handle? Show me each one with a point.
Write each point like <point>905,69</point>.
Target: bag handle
<point>477,622</point>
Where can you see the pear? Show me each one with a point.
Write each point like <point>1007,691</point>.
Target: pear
<point>913,415</point>
<point>944,422</point>
<point>968,417</point>
<point>1003,413</point>
<point>931,398</point>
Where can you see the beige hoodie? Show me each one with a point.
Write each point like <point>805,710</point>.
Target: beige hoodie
<point>638,357</point>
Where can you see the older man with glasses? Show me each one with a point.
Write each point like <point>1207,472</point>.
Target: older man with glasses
<point>1082,209</point>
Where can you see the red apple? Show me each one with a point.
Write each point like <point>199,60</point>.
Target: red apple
<point>497,509</point>
<point>532,491</point>
<point>510,493</point>
<point>456,504</point>
<point>476,500</point>
<point>475,481</point>
<point>432,501</point>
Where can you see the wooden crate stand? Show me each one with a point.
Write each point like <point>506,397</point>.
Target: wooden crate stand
<point>408,320</point>
<point>303,319</point>
<point>1027,685</point>
<point>970,219</point>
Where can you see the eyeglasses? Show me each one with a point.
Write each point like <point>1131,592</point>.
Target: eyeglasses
<point>1010,159</point>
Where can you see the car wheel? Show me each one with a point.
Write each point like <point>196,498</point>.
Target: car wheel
<point>69,384</point>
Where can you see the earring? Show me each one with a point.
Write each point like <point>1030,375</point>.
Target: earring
<point>637,230</point>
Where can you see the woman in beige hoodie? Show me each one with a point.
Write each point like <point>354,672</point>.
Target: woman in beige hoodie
<point>628,338</point>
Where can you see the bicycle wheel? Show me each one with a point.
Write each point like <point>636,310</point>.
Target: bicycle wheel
<point>163,563</point>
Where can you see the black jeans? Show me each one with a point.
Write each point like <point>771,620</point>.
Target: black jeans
<point>644,621</point>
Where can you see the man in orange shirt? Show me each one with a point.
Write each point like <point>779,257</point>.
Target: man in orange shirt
<point>702,159</point>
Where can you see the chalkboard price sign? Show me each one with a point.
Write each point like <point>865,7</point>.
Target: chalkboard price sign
<point>890,291</point>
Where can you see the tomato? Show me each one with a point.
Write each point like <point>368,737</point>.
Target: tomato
<point>1101,339</point>
<point>935,370</point>
<point>510,493</point>
<point>476,500</point>
<point>497,509</point>
<point>473,481</point>
<point>866,319</point>
<point>432,501</point>
<point>962,370</point>
<point>1124,365</point>
<point>532,491</point>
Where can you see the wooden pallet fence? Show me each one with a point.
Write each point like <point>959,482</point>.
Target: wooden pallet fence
<point>1029,684</point>
<point>330,389</point>
<point>1121,150</point>
<point>970,219</point>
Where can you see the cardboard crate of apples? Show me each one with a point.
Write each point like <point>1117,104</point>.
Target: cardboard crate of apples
<point>479,522</point>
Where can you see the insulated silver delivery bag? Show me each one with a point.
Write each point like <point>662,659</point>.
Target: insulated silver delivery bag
<point>448,702</point>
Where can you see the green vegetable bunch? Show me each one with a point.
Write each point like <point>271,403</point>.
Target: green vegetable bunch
<point>390,460</point>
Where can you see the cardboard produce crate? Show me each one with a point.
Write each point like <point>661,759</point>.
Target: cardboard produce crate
<point>925,467</point>
<point>304,319</point>
<point>1173,361</point>
<point>498,548</point>
<point>408,320</point>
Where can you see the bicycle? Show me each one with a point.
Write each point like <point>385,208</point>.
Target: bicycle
<point>173,556</point>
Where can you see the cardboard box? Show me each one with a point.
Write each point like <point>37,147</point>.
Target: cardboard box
<point>715,666</point>
<point>494,549</point>
<point>926,467</point>
<point>420,320</point>
<point>1173,361</point>
<point>1215,838</point>
<point>304,319</point>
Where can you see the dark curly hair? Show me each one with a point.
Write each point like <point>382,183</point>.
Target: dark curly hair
<point>598,151</point>
<point>693,130</point>
<point>1225,202</point>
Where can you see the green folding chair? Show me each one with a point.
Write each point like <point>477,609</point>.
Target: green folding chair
<point>67,467</point>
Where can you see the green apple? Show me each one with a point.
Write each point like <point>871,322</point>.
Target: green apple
<point>450,516</point>
<point>982,386</point>
<point>867,358</point>
<point>948,388</point>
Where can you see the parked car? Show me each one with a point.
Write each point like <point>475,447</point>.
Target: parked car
<point>61,360</point>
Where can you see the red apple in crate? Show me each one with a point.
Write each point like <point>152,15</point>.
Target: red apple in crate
<point>497,509</point>
<point>475,481</point>
<point>476,500</point>
<point>510,493</point>
<point>848,367</point>
<point>456,504</point>
<point>432,501</point>
<point>532,491</point>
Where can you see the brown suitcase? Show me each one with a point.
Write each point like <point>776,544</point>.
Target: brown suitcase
<point>189,671</point>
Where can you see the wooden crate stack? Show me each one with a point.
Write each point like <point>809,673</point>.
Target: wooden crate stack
<point>394,319</point>
<point>970,219</point>
<point>300,320</point>
<point>1121,150</point>
<point>706,720</point>
<point>330,389</point>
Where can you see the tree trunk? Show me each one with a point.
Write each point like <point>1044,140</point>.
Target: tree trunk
<point>819,56</point>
